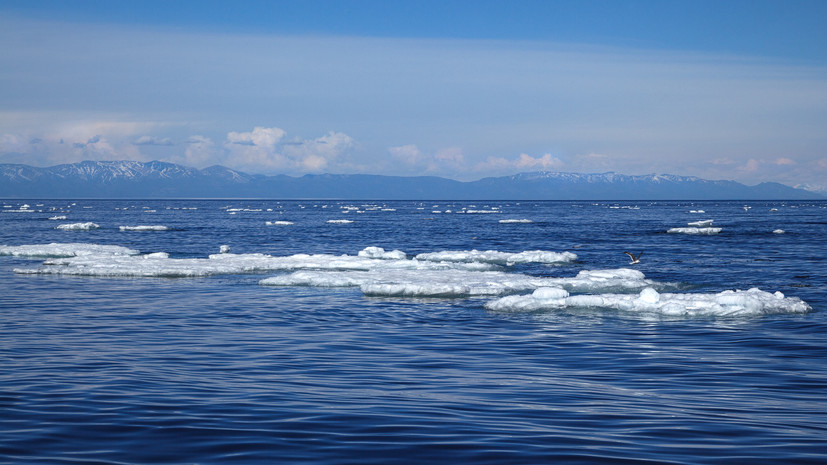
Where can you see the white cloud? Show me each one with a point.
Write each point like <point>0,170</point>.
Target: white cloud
<point>200,152</point>
<point>150,140</point>
<point>319,154</point>
<point>407,154</point>
<point>266,150</point>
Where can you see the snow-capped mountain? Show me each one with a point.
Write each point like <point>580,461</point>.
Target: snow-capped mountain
<point>132,179</point>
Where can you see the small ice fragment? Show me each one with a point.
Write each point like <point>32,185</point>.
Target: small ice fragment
<point>701,224</point>
<point>78,226</point>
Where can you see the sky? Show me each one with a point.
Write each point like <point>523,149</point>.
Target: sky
<point>460,89</point>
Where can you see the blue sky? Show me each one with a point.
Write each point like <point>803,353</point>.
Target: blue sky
<point>722,90</point>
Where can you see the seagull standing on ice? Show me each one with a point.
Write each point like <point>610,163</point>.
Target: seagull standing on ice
<point>635,258</point>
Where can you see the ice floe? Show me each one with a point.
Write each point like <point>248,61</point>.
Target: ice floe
<point>58,217</point>
<point>701,224</point>
<point>727,303</point>
<point>228,263</point>
<point>516,221</point>
<point>456,282</point>
<point>58,250</point>
<point>778,231</point>
<point>378,272</point>
<point>380,253</point>
<point>279,223</point>
<point>499,258</point>
<point>78,226</point>
<point>695,231</point>
<point>340,221</point>
<point>143,228</point>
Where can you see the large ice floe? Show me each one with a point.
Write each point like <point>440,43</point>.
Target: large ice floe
<point>392,273</point>
<point>499,258</point>
<point>57,250</point>
<point>727,303</point>
<point>440,280</point>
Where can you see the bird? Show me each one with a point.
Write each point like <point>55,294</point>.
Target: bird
<point>635,259</point>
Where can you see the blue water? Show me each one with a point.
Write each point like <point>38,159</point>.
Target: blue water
<point>223,370</point>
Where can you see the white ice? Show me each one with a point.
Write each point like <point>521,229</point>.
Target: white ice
<point>66,250</point>
<point>695,231</point>
<point>456,282</point>
<point>279,223</point>
<point>778,231</point>
<point>78,226</point>
<point>701,224</point>
<point>516,221</point>
<point>727,303</point>
<point>143,228</point>
<point>499,258</point>
<point>228,263</point>
<point>380,253</point>
<point>59,217</point>
<point>340,221</point>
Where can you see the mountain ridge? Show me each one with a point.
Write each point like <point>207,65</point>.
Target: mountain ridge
<point>157,179</point>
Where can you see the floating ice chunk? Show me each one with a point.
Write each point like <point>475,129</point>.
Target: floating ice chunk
<point>701,224</point>
<point>58,250</point>
<point>380,253</point>
<point>228,263</point>
<point>143,228</point>
<point>78,226</point>
<point>500,258</point>
<point>340,221</point>
<point>457,282</point>
<point>155,255</point>
<point>696,211</point>
<point>279,223</point>
<point>726,303</point>
<point>224,249</point>
<point>695,231</point>
<point>516,221</point>
<point>58,217</point>
<point>778,231</point>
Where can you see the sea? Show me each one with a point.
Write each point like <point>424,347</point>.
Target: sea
<point>409,332</point>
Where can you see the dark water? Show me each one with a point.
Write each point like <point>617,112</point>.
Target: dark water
<point>223,370</point>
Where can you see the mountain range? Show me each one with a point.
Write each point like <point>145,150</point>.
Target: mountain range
<point>133,179</point>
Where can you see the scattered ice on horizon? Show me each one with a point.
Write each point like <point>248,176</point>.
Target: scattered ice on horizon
<point>516,221</point>
<point>279,223</point>
<point>58,217</point>
<point>340,221</point>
